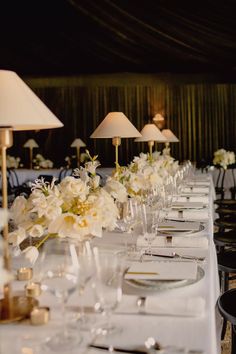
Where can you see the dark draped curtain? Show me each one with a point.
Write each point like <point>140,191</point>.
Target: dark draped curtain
<point>201,115</point>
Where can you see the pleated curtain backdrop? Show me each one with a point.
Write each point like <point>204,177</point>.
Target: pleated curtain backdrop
<point>201,115</point>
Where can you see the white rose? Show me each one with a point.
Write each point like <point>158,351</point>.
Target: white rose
<point>72,187</point>
<point>52,212</point>
<point>36,231</point>
<point>65,225</point>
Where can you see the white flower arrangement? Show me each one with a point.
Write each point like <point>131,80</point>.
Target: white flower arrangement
<point>223,158</point>
<point>143,173</point>
<point>12,161</point>
<point>41,162</point>
<point>77,207</point>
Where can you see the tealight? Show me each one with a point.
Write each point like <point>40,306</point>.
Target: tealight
<point>39,316</point>
<point>24,273</point>
<point>33,289</point>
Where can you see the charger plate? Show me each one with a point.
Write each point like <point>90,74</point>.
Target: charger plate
<point>159,285</point>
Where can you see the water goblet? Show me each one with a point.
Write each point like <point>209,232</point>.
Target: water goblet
<point>108,286</point>
<point>60,278</point>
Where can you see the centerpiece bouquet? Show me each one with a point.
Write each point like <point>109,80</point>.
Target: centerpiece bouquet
<point>41,162</point>
<point>223,158</point>
<point>77,207</point>
<point>143,173</point>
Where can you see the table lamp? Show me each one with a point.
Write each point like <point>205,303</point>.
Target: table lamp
<point>150,133</point>
<point>116,126</point>
<point>78,143</point>
<point>20,109</point>
<point>171,138</point>
<point>31,144</point>
<point>159,120</point>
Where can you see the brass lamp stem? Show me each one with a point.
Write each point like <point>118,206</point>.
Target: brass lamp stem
<point>31,158</point>
<point>78,156</point>
<point>150,144</point>
<point>116,141</point>
<point>5,142</point>
<point>167,145</point>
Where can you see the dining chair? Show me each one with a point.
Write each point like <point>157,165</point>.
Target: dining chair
<point>226,306</point>
<point>219,186</point>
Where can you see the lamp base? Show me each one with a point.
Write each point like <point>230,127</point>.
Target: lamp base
<point>21,306</point>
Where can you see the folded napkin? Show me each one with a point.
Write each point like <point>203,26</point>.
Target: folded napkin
<point>198,183</point>
<point>201,199</point>
<point>204,190</point>
<point>162,270</point>
<point>189,215</point>
<point>187,205</point>
<point>154,305</point>
<point>170,225</point>
<point>178,306</point>
<point>175,241</point>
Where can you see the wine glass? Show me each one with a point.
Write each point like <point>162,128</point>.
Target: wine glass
<point>86,274</point>
<point>149,222</point>
<point>60,278</point>
<point>108,286</point>
<point>167,198</point>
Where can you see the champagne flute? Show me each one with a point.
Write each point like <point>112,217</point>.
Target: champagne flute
<point>60,278</point>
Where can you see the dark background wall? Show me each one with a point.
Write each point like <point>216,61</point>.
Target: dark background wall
<point>200,111</point>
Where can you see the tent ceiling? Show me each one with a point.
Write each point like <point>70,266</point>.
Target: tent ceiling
<point>71,37</point>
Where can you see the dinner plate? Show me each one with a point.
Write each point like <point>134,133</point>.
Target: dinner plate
<point>159,285</point>
<point>182,232</point>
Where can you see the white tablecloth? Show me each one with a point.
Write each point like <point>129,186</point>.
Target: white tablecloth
<point>192,332</point>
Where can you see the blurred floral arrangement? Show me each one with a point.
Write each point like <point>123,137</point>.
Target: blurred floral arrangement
<point>223,158</point>
<point>77,207</point>
<point>40,162</point>
<point>143,173</point>
<point>71,161</point>
<point>12,161</point>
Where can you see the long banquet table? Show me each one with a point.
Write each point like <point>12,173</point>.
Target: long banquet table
<point>198,332</point>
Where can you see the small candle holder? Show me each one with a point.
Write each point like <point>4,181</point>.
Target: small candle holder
<point>24,273</point>
<point>39,316</point>
<point>33,289</point>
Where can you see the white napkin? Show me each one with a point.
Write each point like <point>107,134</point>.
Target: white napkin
<point>204,190</point>
<point>170,225</point>
<point>187,205</point>
<point>198,183</point>
<point>162,270</point>
<point>177,306</point>
<point>201,198</point>
<point>175,241</point>
<point>189,215</point>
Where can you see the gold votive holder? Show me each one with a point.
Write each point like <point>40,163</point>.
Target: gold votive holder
<point>39,316</point>
<point>24,273</point>
<point>33,289</point>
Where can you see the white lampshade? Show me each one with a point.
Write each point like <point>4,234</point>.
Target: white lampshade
<point>31,143</point>
<point>150,132</point>
<point>115,124</point>
<point>171,138</point>
<point>20,108</point>
<point>78,143</point>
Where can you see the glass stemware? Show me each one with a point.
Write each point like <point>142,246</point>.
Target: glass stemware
<point>60,278</point>
<point>149,222</point>
<point>108,289</point>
